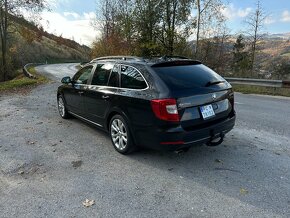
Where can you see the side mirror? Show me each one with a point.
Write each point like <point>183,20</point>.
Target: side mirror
<point>66,80</point>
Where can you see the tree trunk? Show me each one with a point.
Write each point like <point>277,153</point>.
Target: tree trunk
<point>3,35</point>
<point>4,61</point>
<point>198,29</point>
<point>254,45</point>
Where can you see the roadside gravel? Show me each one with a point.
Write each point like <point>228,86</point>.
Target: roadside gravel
<point>49,166</point>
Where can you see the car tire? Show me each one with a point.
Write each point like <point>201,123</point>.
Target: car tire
<point>62,108</point>
<point>121,136</point>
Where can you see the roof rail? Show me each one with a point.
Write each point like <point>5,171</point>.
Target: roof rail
<point>118,58</point>
<point>176,63</point>
<point>165,58</point>
<point>171,57</point>
<point>168,57</point>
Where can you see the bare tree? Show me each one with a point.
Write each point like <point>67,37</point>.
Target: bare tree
<point>115,22</point>
<point>8,10</point>
<point>126,21</point>
<point>107,14</point>
<point>199,13</point>
<point>207,11</point>
<point>255,22</point>
<point>174,14</point>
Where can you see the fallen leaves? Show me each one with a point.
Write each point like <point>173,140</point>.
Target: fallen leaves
<point>218,161</point>
<point>243,191</point>
<point>88,203</point>
<point>31,142</point>
<point>77,163</point>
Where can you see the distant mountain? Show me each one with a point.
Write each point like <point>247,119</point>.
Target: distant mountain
<point>285,36</point>
<point>273,51</point>
<point>31,43</point>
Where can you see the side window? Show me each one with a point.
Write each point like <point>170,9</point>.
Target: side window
<point>131,78</point>
<point>83,75</point>
<point>114,78</point>
<point>102,74</point>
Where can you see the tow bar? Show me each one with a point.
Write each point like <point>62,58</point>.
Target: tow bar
<point>212,143</point>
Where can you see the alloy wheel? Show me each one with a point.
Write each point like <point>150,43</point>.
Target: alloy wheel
<point>61,107</point>
<point>119,134</point>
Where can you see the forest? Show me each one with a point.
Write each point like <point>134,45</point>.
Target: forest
<point>191,28</point>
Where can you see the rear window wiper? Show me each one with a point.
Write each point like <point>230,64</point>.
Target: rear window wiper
<point>210,83</point>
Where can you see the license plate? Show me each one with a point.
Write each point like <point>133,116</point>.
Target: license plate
<point>207,111</point>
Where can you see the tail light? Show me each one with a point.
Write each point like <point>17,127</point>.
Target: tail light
<point>165,109</point>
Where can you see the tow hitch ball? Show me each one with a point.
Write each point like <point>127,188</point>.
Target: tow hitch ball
<point>212,141</point>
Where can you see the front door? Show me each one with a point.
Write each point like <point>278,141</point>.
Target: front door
<point>74,95</point>
<point>99,95</point>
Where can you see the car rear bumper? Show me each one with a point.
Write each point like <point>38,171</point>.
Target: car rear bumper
<point>178,138</point>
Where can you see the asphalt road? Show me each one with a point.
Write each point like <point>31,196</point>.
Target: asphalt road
<point>49,166</point>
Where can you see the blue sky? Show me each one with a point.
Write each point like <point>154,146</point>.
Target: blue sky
<point>73,18</point>
<point>278,12</point>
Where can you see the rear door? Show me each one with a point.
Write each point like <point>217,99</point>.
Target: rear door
<point>203,97</point>
<point>74,93</point>
<point>98,96</point>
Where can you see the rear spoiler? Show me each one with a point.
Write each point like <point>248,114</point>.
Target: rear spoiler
<point>176,63</point>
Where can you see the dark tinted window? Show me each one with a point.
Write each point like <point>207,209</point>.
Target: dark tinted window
<point>102,74</point>
<point>83,75</point>
<point>114,78</point>
<point>189,76</point>
<point>131,78</point>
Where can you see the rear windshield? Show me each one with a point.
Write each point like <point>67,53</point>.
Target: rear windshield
<point>188,76</point>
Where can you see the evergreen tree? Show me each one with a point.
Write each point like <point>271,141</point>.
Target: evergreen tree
<point>241,58</point>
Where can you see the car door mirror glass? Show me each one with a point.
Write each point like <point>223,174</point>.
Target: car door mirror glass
<point>66,80</point>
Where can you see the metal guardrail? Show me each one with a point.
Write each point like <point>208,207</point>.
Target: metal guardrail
<point>232,80</point>
<point>259,82</point>
<point>26,71</point>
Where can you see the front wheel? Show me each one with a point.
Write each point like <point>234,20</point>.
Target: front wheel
<point>120,135</point>
<point>61,108</point>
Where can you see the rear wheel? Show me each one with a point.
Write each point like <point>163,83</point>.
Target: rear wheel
<point>61,108</point>
<point>120,135</point>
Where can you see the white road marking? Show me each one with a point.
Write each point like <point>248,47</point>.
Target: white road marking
<point>239,103</point>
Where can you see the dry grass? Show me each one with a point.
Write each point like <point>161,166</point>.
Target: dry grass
<point>22,82</point>
<point>247,89</point>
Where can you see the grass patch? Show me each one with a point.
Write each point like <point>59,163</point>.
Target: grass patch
<point>22,81</point>
<point>39,78</point>
<point>286,55</point>
<point>247,89</point>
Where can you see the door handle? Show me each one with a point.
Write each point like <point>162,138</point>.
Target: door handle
<point>105,97</point>
<point>81,92</point>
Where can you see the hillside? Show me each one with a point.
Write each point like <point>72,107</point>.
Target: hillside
<point>32,44</point>
<point>276,47</point>
<point>272,57</point>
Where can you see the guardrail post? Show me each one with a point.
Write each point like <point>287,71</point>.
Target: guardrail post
<point>286,84</point>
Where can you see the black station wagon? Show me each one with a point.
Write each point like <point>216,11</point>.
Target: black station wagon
<point>167,103</point>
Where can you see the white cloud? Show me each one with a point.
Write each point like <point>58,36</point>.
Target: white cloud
<point>231,12</point>
<point>78,28</point>
<point>285,16</point>
<point>72,14</point>
<point>244,12</point>
<point>90,15</point>
<point>55,3</point>
<point>269,20</point>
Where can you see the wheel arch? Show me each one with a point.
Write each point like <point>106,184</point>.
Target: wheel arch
<point>118,111</point>
<point>60,93</point>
